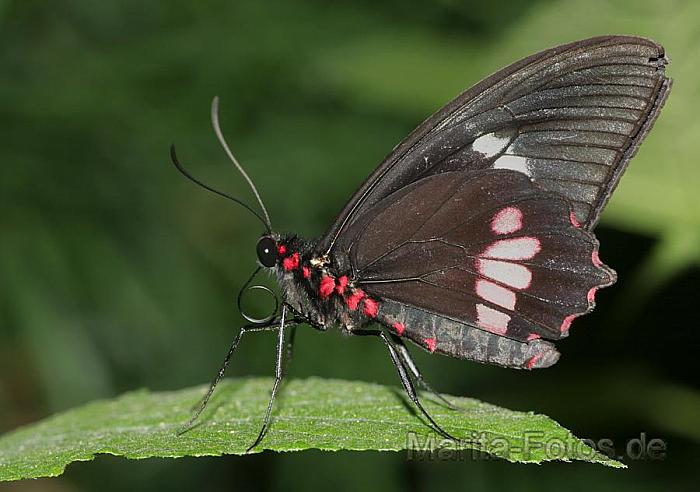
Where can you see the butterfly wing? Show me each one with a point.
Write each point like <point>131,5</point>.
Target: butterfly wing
<point>486,250</point>
<point>570,118</point>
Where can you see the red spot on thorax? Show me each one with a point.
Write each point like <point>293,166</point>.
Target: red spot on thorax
<point>370,307</point>
<point>326,287</point>
<point>574,221</point>
<point>596,259</point>
<point>533,336</point>
<point>342,283</point>
<point>291,262</point>
<point>353,300</point>
<point>282,249</point>
<point>533,360</point>
<point>306,271</point>
<point>430,343</point>
<point>399,327</point>
<point>566,324</point>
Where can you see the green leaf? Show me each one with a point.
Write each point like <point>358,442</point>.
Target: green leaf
<point>317,413</point>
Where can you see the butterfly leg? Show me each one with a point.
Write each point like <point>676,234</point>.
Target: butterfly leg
<point>407,360</point>
<point>406,380</point>
<point>279,373</point>
<point>199,408</point>
<point>290,347</point>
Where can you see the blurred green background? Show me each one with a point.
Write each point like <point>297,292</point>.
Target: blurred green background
<point>117,274</point>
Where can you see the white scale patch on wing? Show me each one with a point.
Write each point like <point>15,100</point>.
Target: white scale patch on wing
<point>519,248</point>
<point>492,320</point>
<point>495,293</point>
<point>490,144</point>
<point>507,221</point>
<point>513,162</point>
<point>511,274</point>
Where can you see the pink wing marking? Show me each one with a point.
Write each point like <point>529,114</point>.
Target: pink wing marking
<point>566,324</point>
<point>591,295</point>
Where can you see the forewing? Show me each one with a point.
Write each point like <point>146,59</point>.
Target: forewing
<point>570,118</point>
<point>485,248</point>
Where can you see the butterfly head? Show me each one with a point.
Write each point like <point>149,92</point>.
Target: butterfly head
<point>285,253</point>
<point>269,251</point>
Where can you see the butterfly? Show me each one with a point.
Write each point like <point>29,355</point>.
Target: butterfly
<point>473,238</point>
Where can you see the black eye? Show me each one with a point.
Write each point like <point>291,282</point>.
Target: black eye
<point>267,251</point>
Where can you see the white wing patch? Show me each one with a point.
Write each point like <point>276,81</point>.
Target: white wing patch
<point>492,320</point>
<point>519,248</point>
<point>490,144</point>
<point>514,163</point>
<point>495,293</point>
<point>505,272</point>
<point>507,221</point>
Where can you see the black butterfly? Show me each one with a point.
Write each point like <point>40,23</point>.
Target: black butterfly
<point>473,237</point>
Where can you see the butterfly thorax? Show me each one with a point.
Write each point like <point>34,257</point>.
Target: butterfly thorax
<point>315,288</point>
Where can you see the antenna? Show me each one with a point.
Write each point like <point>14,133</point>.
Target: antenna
<point>222,141</point>
<point>185,172</point>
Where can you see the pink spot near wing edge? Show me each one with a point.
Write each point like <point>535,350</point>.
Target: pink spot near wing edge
<point>566,324</point>
<point>591,295</point>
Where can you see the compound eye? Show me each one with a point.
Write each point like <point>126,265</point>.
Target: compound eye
<point>267,251</point>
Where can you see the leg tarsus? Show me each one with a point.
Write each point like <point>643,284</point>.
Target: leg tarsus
<point>409,388</point>
<point>279,373</point>
<point>411,365</point>
<point>199,407</point>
